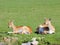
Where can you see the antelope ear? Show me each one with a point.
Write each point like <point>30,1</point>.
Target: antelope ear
<point>45,18</point>
<point>50,19</point>
<point>10,20</point>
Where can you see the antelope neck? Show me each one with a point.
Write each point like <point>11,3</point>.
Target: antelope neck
<point>13,27</point>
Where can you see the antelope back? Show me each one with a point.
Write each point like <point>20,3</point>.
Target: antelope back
<point>27,28</point>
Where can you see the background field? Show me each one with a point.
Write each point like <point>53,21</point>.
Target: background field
<point>30,13</point>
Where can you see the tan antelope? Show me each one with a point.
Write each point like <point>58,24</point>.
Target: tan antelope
<point>19,29</point>
<point>50,26</point>
<point>46,27</point>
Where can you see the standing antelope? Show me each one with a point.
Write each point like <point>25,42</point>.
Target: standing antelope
<point>51,27</point>
<point>20,29</point>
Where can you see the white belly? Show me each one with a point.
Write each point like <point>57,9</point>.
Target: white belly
<point>50,31</point>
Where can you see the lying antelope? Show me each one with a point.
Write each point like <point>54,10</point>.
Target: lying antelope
<point>19,29</point>
<point>47,27</point>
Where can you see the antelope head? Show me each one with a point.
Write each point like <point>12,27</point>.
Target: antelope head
<point>10,24</point>
<point>47,21</point>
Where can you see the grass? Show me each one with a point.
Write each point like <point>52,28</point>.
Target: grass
<point>30,13</point>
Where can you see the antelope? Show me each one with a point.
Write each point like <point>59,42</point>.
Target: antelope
<point>51,27</point>
<point>47,27</point>
<point>19,29</point>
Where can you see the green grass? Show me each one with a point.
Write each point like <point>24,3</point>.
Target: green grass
<point>30,13</point>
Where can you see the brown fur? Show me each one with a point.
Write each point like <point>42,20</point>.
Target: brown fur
<point>16,28</point>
